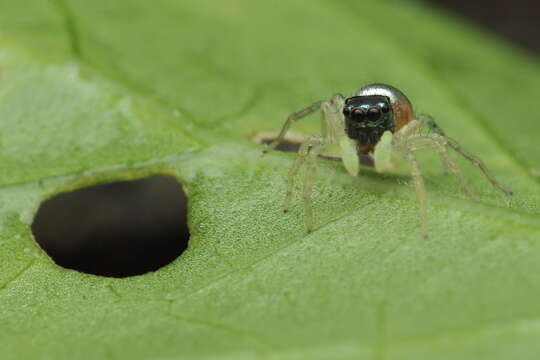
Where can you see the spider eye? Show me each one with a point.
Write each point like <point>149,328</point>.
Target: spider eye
<point>358,114</point>
<point>373,114</point>
<point>347,111</point>
<point>385,108</point>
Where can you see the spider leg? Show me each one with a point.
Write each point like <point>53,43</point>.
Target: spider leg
<point>418,141</point>
<point>451,165</point>
<point>309,180</point>
<point>308,152</point>
<point>383,152</point>
<point>333,121</point>
<point>479,163</point>
<point>332,129</point>
<point>300,158</point>
<point>420,188</point>
<point>453,144</point>
<point>439,143</point>
<point>290,120</point>
<point>431,124</point>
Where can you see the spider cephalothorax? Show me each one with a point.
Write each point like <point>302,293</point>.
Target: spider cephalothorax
<point>379,121</point>
<point>367,118</point>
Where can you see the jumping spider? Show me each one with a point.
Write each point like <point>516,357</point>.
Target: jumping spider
<point>378,120</point>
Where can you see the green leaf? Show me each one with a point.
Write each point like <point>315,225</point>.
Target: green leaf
<point>101,91</point>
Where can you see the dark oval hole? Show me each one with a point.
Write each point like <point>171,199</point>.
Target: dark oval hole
<point>117,230</point>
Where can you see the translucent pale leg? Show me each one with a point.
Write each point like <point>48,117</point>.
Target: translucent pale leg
<point>333,125</point>
<point>300,158</point>
<point>431,124</point>
<point>439,143</point>
<point>290,120</point>
<point>333,129</point>
<point>420,190</point>
<point>428,120</point>
<point>308,151</point>
<point>309,180</point>
<point>411,139</point>
<point>479,163</point>
<point>382,155</point>
<point>333,121</point>
<point>349,155</point>
<point>451,165</point>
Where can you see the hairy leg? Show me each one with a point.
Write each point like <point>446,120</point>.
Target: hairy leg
<point>308,151</point>
<point>479,163</point>
<point>333,121</point>
<point>309,180</point>
<point>439,143</point>
<point>420,190</point>
<point>431,124</point>
<point>300,158</point>
<point>333,127</point>
<point>453,144</point>
<point>451,165</point>
<point>290,120</point>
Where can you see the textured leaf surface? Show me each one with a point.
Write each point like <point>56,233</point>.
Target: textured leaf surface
<point>100,91</point>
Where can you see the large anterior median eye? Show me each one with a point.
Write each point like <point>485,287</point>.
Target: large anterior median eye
<point>373,114</point>
<point>358,114</point>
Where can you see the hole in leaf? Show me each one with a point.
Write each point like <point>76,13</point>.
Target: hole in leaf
<point>117,230</point>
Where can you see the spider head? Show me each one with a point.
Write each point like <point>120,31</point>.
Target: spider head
<point>367,111</point>
<point>367,117</point>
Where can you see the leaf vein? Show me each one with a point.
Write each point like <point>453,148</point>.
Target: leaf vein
<point>17,275</point>
<point>70,26</point>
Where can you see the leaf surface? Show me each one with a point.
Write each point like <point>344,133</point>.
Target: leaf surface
<point>102,91</point>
